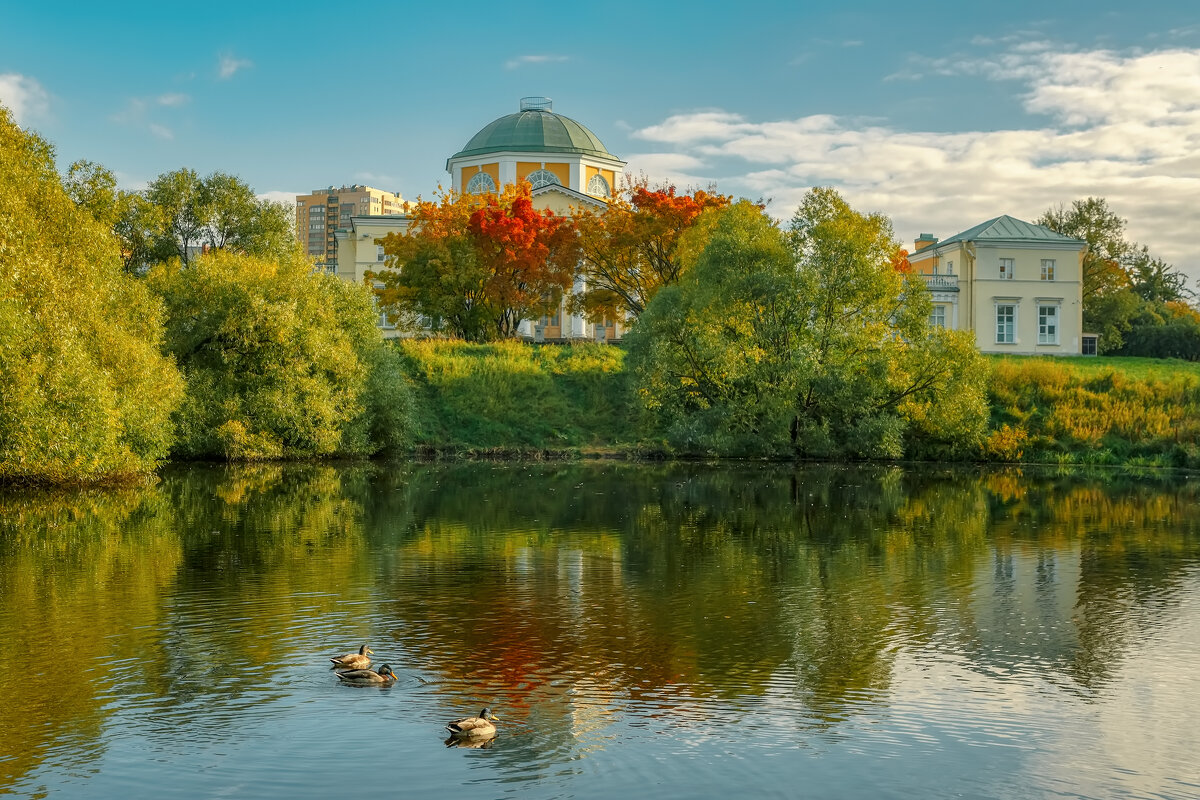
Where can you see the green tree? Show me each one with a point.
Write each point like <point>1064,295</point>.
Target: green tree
<point>219,211</point>
<point>280,362</point>
<point>85,393</point>
<point>1095,223</point>
<point>134,219</point>
<point>808,342</point>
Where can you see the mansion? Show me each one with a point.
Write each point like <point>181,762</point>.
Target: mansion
<point>1016,285</point>
<point>568,168</point>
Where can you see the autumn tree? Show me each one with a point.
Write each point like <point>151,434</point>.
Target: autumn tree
<point>134,220</point>
<point>630,249</point>
<point>475,267</point>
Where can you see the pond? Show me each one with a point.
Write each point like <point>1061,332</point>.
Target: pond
<point>676,631</point>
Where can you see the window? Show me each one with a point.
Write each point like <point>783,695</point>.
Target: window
<point>379,256</point>
<point>1006,269</point>
<point>1006,323</point>
<point>1047,324</point>
<point>938,318</point>
<point>1047,269</point>
<point>949,267</point>
<point>598,187</point>
<point>1090,340</point>
<point>481,183</point>
<point>542,177</point>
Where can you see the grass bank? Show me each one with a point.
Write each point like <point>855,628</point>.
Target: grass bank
<point>519,399</point>
<point>513,399</point>
<point>1106,411</point>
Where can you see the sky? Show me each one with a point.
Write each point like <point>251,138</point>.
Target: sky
<point>940,115</point>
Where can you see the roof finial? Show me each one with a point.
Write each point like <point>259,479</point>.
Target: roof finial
<point>537,104</point>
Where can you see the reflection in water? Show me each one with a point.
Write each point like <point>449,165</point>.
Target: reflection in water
<point>635,619</point>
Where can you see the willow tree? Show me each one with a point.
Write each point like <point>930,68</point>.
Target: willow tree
<point>807,342</point>
<point>85,393</point>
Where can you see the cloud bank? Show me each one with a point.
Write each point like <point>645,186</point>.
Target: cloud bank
<point>1124,126</point>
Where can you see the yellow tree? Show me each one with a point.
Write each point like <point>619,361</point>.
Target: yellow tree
<point>631,249</point>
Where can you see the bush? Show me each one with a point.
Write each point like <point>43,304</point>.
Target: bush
<point>280,362</point>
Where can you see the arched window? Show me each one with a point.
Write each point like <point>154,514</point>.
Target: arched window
<point>598,187</point>
<point>481,183</point>
<point>543,177</point>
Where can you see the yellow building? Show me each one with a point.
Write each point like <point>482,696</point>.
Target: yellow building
<point>1017,286</point>
<point>568,168</point>
<point>321,213</point>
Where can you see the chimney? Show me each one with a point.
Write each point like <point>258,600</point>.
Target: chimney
<point>923,241</point>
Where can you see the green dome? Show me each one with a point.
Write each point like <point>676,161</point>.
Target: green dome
<point>534,129</point>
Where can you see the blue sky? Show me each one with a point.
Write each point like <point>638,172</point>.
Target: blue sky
<point>940,115</point>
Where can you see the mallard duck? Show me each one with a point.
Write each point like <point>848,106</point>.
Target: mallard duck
<point>364,677</point>
<point>480,726</point>
<point>359,660</point>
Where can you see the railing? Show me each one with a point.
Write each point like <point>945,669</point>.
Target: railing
<point>941,283</point>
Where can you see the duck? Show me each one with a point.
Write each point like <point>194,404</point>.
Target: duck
<point>359,660</point>
<point>366,677</point>
<point>480,726</point>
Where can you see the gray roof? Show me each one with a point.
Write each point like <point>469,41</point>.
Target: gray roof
<point>1010,229</point>
<point>534,132</point>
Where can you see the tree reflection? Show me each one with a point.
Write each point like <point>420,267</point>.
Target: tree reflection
<point>569,593</point>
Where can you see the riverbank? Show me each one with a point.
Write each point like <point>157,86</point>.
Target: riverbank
<point>513,400</point>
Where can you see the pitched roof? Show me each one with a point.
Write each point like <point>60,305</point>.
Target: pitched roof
<point>1009,229</point>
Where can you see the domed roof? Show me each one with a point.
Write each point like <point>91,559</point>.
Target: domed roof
<point>534,129</point>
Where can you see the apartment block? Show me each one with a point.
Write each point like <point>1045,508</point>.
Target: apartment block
<point>320,214</point>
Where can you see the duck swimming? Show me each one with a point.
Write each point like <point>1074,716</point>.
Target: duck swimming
<point>480,726</point>
<point>359,660</point>
<point>367,677</point>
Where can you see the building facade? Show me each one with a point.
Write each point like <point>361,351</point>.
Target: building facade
<point>322,212</point>
<point>1016,285</point>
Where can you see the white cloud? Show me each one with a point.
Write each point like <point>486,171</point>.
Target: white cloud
<point>23,96</point>
<point>228,65</point>
<point>521,61</point>
<point>1121,126</point>
<point>173,99</point>
<point>161,131</point>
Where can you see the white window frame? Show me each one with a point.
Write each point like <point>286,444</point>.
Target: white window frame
<point>542,177</point>
<point>1048,333</point>
<point>1047,269</point>
<point>1007,267</point>
<point>379,254</point>
<point>597,186</point>
<point>1012,327</point>
<point>937,317</point>
<point>481,183</point>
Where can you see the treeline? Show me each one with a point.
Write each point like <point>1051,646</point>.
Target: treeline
<point>120,349</point>
<point>185,322</point>
<point>1138,303</point>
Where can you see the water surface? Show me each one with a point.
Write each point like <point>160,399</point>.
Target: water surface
<point>676,631</point>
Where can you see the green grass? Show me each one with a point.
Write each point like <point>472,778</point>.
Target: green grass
<point>519,398</point>
<point>1129,411</point>
<point>549,400</point>
<point>1130,367</point>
